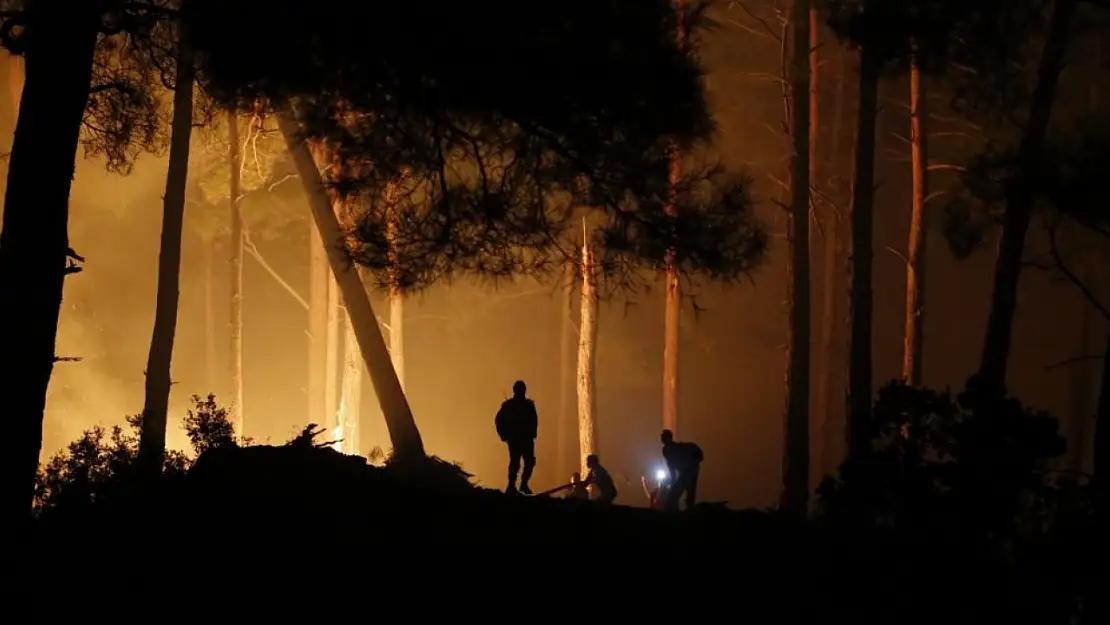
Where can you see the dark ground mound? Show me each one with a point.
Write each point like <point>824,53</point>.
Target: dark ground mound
<point>283,517</point>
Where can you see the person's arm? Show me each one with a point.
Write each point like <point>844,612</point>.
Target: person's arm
<point>499,422</point>
<point>644,483</point>
<point>533,419</point>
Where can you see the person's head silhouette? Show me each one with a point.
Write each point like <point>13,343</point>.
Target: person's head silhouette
<point>591,461</point>
<point>667,437</point>
<point>519,388</point>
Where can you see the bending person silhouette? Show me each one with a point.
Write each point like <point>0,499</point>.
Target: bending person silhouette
<point>600,479</point>
<point>683,463</point>
<point>516,424</point>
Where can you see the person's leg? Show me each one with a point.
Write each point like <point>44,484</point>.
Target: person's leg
<point>692,488</point>
<point>528,453</point>
<point>673,496</point>
<point>514,467</point>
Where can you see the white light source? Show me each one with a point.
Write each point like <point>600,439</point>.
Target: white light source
<point>661,474</point>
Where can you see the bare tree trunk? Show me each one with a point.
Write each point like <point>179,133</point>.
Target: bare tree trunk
<point>396,301</point>
<point>318,280</point>
<point>235,322</point>
<point>818,420</point>
<point>672,316</point>
<point>152,439</point>
<point>863,202</point>
<point>566,389</point>
<point>405,436</point>
<point>913,339</point>
<point>587,358</point>
<point>1019,202</point>
<point>332,371</point>
<point>209,316</point>
<point>351,395</point>
<point>350,402</point>
<point>831,279</point>
<point>34,243</point>
<point>795,472</point>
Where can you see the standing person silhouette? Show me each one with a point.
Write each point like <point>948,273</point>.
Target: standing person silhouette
<point>516,423</point>
<point>683,463</point>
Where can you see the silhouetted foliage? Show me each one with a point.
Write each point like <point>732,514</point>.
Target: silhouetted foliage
<point>101,462</point>
<point>974,465</point>
<point>1070,182</point>
<point>490,155</point>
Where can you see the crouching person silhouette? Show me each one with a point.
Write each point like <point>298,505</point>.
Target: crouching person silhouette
<point>683,463</point>
<point>516,424</point>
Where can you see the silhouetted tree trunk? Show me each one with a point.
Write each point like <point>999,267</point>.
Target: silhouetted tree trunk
<point>566,389</point>
<point>587,358</point>
<point>860,298</point>
<point>1019,201</point>
<point>795,473</point>
<point>34,242</point>
<point>235,322</point>
<point>208,267</point>
<point>672,317</point>
<point>913,339</point>
<point>318,282</point>
<point>152,439</point>
<point>403,432</point>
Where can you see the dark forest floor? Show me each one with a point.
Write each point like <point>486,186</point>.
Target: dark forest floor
<point>270,518</point>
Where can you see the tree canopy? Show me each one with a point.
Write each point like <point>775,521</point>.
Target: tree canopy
<point>486,142</point>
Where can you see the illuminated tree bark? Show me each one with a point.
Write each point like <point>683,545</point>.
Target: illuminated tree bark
<point>208,263</point>
<point>235,322</point>
<point>672,316</point>
<point>405,436</point>
<point>566,388</point>
<point>332,371</point>
<point>795,473</point>
<point>351,386</point>
<point>319,278</point>
<point>396,300</point>
<point>152,439</point>
<point>587,358</point>
<point>913,339</point>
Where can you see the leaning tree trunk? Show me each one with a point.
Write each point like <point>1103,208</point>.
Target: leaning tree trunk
<point>152,439</point>
<point>795,470</point>
<point>860,298</point>
<point>235,323</point>
<point>587,360</point>
<point>332,371</point>
<point>1019,202</point>
<point>403,432</point>
<point>566,389</point>
<point>34,242</point>
<point>913,337</point>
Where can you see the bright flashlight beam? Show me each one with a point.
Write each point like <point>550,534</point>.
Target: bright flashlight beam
<point>660,474</point>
